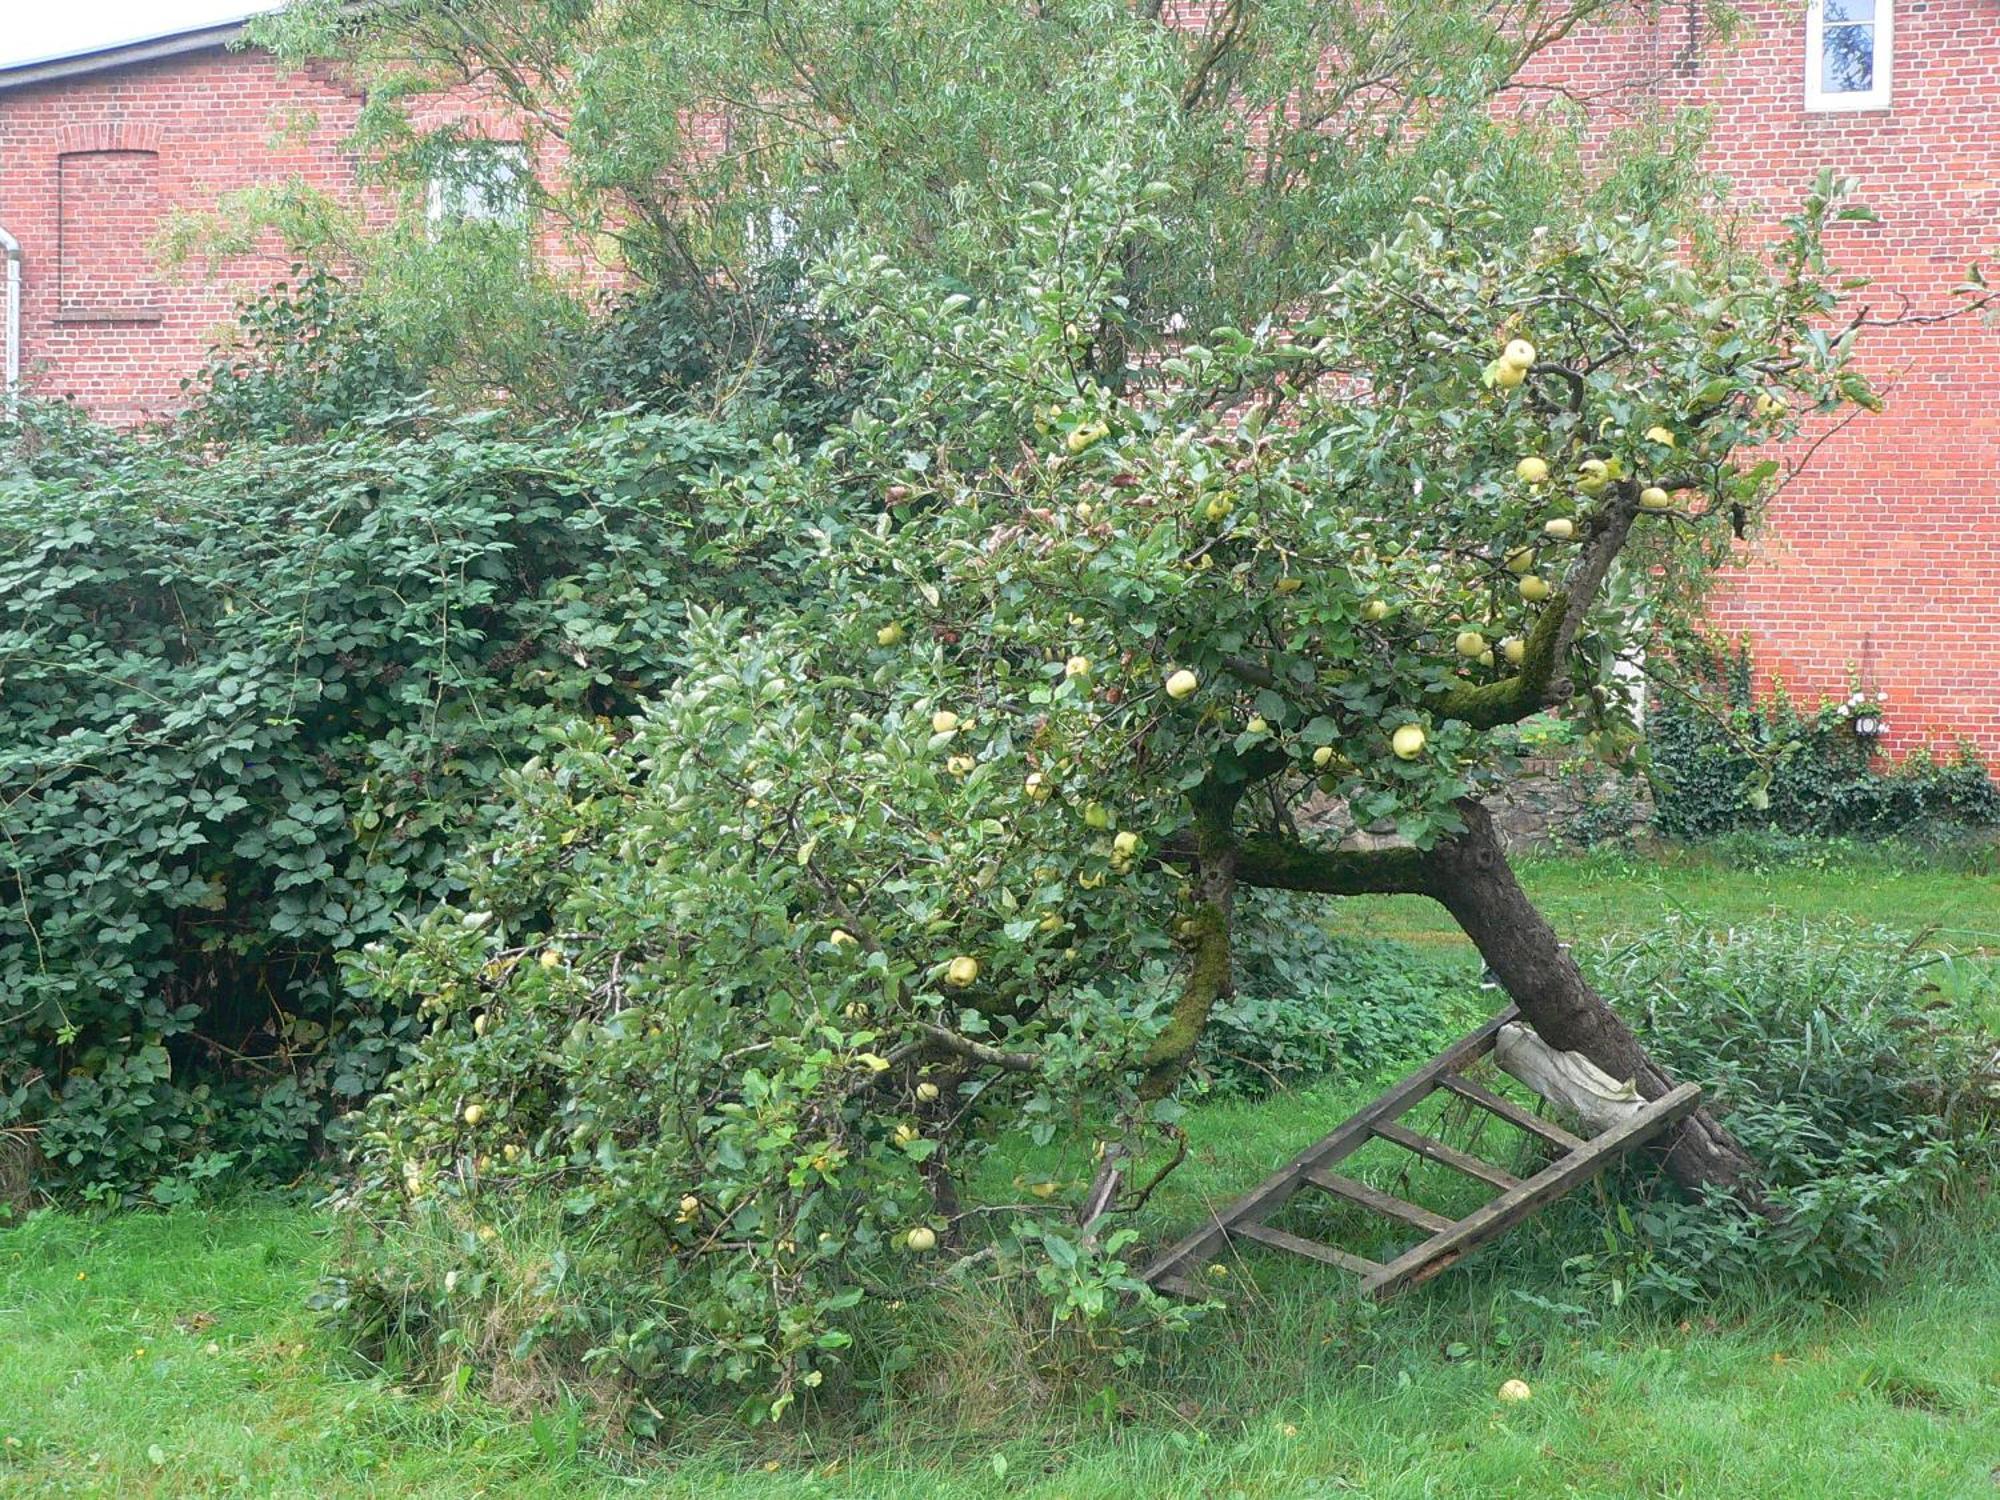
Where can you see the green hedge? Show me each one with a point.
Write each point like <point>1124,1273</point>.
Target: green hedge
<point>253,698</point>
<point>1726,760</point>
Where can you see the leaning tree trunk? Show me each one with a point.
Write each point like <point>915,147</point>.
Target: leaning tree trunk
<point>1470,876</point>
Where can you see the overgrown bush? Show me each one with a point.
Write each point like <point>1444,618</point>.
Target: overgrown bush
<point>1308,1005</point>
<point>306,358</point>
<point>668,348</point>
<point>254,696</point>
<point>1725,759</point>
<point>1866,1091</point>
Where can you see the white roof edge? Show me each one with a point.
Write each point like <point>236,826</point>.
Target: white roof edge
<point>149,48</point>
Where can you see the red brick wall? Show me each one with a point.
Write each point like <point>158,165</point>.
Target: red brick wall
<point>90,166</point>
<point>1883,558</point>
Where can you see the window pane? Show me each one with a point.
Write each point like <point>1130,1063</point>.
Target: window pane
<point>1848,60</point>
<point>1849,10</point>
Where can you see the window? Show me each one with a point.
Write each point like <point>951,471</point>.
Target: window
<point>109,211</point>
<point>1847,53</point>
<point>480,182</point>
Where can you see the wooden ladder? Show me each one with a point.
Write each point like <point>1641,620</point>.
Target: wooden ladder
<point>1446,1240</point>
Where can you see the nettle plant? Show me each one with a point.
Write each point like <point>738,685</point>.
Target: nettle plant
<point>949,851</point>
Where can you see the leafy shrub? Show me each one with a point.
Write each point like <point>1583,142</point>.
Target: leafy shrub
<point>254,696</point>
<point>1724,759</point>
<point>666,348</point>
<point>307,357</point>
<point>1308,1004</point>
<point>1865,1090</point>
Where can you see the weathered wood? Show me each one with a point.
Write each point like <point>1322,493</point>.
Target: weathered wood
<point>1387,1204</point>
<point>1433,1149</point>
<point>1508,1110</point>
<point>1268,1196</point>
<point>1441,1250</point>
<point>1568,1079</point>
<point>1279,1239</point>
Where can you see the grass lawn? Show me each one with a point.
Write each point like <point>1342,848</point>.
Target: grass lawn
<point>175,1355</point>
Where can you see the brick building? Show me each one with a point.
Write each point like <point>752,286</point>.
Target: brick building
<point>1883,560</point>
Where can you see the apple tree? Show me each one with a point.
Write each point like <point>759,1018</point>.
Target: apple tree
<point>948,846</point>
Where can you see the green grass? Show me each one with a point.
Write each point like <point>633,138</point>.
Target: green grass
<point>1606,894</point>
<point>175,1355</point>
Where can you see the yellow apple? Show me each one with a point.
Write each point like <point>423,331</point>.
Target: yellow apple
<point>927,1093</point>
<point>479,1025</point>
<point>1323,756</point>
<point>1126,844</point>
<point>1534,589</point>
<point>904,1134</point>
<point>690,1207</point>
<point>1486,657</point>
<point>1258,725</point>
<point>1515,1390</point>
<point>1036,787</point>
<point>1652,497</point>
<point>1077,666</point>
<point>1096,815</point>
<point>1519,353</point>
<point>1561,528</point>
<point>889,635</point>
<point>1508,376</point>
<point>1514,649</point>
<point>1182,684</point>
<point>1470,643</point>
<point>960,765</point>
<point>1770,407</point>
<point>1531,470</point>
<point>921,1239</point>
<point>1521,560</point>
<point>1408,742</point>
<point>1082,437</point>
<point>840,937</point>
<point>1219,508</point>
<point>474,1113</point>
<point>1593,476</point>
<point>551,959</point>
<point>963,971</point>
<point>944,721</point>
<point>1375,609</point>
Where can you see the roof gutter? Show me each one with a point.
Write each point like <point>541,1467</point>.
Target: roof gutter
<point>11,329</point>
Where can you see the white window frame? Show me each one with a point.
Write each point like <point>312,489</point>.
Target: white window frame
<point>460,198</point>
<point>1818,101</point>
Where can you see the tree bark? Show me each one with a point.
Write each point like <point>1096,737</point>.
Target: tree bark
<point>1470,876</point>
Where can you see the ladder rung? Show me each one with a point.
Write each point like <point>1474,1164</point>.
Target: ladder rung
<point>1509,1111</point>
<point>1437,1151</point>
<point>1278,1239</point>
<point>1387,1204</point>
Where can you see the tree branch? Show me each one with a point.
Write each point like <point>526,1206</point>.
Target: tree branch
<point>1272,862</point>
<point>980,1052</point>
